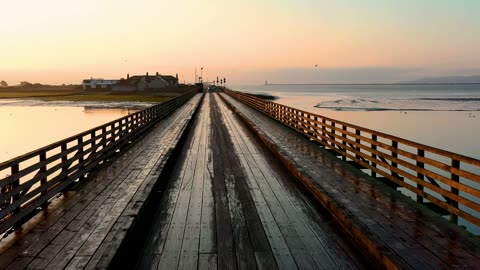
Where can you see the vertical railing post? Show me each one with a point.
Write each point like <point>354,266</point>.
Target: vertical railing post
<point>63,150</point>
<point>374,156</point>
<point>14,172</point>
<point>456,178</point>
<point>315,119</point>
<point>93,142</point>
<point>324,134</point>
<point>43,180</point>
<point>332,129</point>
<point>395,155</point>
<point>420,153</point>
<point>357,140</point>
<point>80,157</point>
<point>344,142</point>
<point>112,134</point>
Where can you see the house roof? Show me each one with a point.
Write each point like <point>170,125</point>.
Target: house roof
<point>168,77</point>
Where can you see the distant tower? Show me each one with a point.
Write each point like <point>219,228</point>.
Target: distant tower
<point>128,76</point>
<point>157,73</point>
<point>176,76</point>
<point>147,74</point>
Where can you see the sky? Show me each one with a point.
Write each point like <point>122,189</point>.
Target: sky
<point>247,42</point>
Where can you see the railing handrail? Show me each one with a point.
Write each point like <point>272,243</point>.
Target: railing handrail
<point>48,147</point>
<point>388,159</point>
<point>50,169</point>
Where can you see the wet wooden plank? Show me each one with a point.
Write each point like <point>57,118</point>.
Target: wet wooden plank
<point>208,241</point>
<point>291,216</point>
<point>78,263</point>
<point>207,261</point>
<point>173,244</point>
<point>191,240</point>
<point>225,240</point>
<point>259,170</point>
<point>280,249</point>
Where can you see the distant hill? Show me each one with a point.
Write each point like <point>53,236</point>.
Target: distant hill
<point>448,80</point>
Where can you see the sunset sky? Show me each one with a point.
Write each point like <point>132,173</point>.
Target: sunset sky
<point>65,41</point>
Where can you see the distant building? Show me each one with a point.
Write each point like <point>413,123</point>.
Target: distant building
<point>98,84</point>
<point>170,79</point>
<point>144,83</point>
<point>133,83</point>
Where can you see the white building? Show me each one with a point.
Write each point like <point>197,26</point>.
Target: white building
<point>98,84</point>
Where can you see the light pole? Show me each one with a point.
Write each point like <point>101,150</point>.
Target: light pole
<point>201,74</point>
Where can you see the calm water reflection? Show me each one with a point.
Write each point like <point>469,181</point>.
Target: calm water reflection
<point>26,128</point>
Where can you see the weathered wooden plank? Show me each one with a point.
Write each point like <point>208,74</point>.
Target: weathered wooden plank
<point>281,251</point>
<point>207,261</point>
<point>173,243</point>
<point>208,241</point>
<point>261,172</point>
<point>226,258</point>
<point>78,263</point>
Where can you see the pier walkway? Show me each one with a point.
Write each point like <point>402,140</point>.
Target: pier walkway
<point>218,185</point>
<point>231,205</point>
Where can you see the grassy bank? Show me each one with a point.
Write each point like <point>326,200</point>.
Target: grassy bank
<point>102,96</point>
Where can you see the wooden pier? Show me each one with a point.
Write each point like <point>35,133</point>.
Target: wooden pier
<point>230,181</point>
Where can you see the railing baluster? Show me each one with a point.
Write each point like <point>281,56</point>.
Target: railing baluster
<point>43,181</point>
<point>374,156</point>
<point>395,155</point>
<point>344,142</point>
<point>357,140</point>
<point>332,145</point>
<point>324,134</point>
<point>420,153</point>
<point>14,171</point>
<point>63,150</point>
<point>80,157</point>
<point>456,178</point>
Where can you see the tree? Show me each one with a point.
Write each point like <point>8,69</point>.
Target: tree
<point>3,84</point>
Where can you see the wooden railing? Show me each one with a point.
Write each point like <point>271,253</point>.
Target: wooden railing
<point>32,179</point>
<point>447,182</point>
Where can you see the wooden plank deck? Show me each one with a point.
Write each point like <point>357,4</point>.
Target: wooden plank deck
<point>393,230</point>
<point>231,205</point>
<point>84,228</point>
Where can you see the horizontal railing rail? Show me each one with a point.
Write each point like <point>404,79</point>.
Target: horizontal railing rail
<point>32,179</point>
<point>449,181</point>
